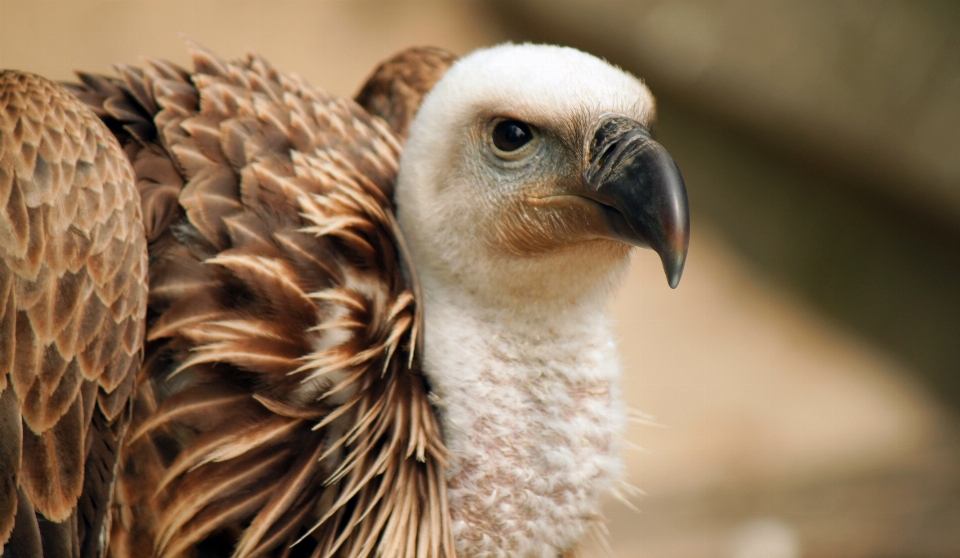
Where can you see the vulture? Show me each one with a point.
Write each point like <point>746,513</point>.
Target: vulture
<point>242,317</point>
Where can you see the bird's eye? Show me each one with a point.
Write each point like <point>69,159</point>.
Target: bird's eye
<point>510,135</point>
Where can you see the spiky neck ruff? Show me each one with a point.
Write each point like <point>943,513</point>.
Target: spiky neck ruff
<point>530,410</point>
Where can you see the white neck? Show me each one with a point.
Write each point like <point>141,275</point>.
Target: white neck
<point>530,409</point>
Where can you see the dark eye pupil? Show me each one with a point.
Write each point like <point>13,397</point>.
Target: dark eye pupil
<point>511,135</point>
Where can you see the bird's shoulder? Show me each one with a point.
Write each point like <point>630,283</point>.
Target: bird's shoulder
<point>279,371</point>
<point>73,272</point>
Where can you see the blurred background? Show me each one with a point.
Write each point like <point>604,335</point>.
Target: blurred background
<point>800,388</point>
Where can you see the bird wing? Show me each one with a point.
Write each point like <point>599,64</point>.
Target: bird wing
<point>280,402</point>
<point>73,270</point>
<point>396,88</point>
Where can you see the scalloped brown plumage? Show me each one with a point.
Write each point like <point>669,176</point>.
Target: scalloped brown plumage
<point>73,271</point>
<point>279,399</point>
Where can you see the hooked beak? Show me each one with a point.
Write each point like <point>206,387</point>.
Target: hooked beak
<point>641,191</point>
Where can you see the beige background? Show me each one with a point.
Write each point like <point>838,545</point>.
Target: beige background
<point>766,430</point>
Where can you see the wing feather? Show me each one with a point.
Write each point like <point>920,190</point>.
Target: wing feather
<point>52,467</point>
<point>72,302</point>
<point>398,85</point>
<point>11,432</point>
<point>280,402</point>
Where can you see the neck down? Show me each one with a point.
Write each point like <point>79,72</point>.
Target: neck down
<point>530,409</point>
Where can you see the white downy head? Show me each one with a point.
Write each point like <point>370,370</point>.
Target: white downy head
<point>474,215</point>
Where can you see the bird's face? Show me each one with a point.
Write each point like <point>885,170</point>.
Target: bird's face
<point>529,169</point>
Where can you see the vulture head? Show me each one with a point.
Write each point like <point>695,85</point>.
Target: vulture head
<point>529,173</point>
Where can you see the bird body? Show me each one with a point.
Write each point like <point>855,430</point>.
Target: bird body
<point>350,351</point>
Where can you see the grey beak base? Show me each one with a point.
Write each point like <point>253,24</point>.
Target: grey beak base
<point>635,176</point>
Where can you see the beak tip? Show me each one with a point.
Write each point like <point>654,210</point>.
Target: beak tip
<point>673,262</point>
<point>673,270</point>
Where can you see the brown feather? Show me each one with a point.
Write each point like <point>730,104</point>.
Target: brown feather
<point>60,539</point>
<point>52,470</point>
<point>11,432</point>
<point>279,402</point>
<point>397,87</point>
<point>25,538</point>
<point>96,499</point>
<point>72,300</point>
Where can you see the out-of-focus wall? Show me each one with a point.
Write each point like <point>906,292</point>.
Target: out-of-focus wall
<point>333,44</point>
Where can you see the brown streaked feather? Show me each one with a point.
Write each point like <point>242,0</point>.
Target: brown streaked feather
<point>60,538</point>
<point>103,442</point>
<point>279,403</point>
<point>398,85</point>
<point>11,432</point>
<point>25,538</point>
<point>52,471</point>
<point>73,269</point>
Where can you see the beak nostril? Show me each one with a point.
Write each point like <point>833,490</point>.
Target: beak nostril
<point>602,161</point>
